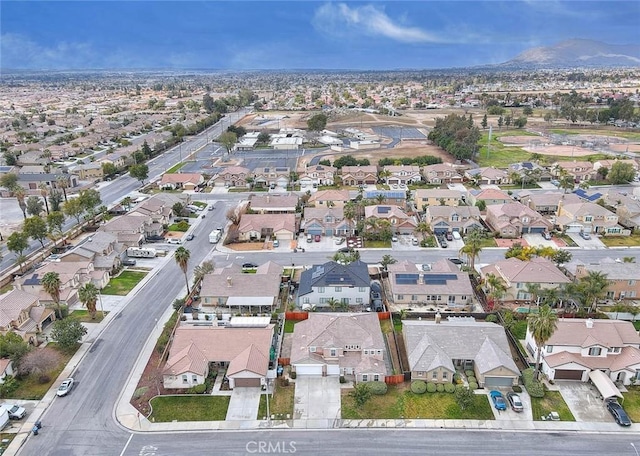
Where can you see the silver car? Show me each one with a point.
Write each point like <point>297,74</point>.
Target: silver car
<point>65,387</point>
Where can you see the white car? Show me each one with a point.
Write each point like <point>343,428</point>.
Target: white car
<point>174,241</point>
<point>65,387</point>
<point>15,411</point>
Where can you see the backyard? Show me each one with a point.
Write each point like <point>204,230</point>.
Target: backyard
<point>189,408</point>
<point>123,283</point>
<point>551,402</point>
<point>400,402</point>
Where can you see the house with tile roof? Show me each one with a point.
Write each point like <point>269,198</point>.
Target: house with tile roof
<point>400,222</point>
<point>23,313</point>
<point>195,350</point>
<point>129,230</point>
<point>329,198</point>
<point>359,175</point>
<point>514,219</point>
<point>580,170</point>
<point>441,173</point>
<point>437,349</point>
<point>490,196</point>
<point>427,197</point>
<point>232,176</point>
<point>516,274</point>
<point>526,169</point>
<point>347,283</point>
<point>447,219</point>
<point>623,278</point>
<point>588,218</point>
<point>271,177</point>
<point>444,285</point>
<point>184,181</point>
<point>333,344</point>
<point>396,197</point>
<point>547,203</point>
<point>580,346</point>
<point>101,248</point>
<point>273,203</point>
<point>317,175</point>
<point>488,176</point>
<point>326,222</point>
<point>254,227</point>
<point>402,174</point>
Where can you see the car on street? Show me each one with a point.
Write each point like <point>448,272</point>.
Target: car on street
<point>618,413</point>
<point>15,411</point>
<point>249,266</point>
<point>345,250</point>
<point>211,207</point>
<point>515,402</point>
<point>65,387</point>
<point>498,400</point>
<point>457,261</point>
<point>584,235</point>
<point>190,237</point>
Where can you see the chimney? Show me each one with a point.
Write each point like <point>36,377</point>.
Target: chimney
<point>589,323</point>
<point>438,317</point>
<point>229,282</point>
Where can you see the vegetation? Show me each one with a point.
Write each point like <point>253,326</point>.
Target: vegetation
<point>551,402</point>
<point>31,387</point>
<point>361,394</point>
<point>124,283</point>
<point>457,135</point>
<point>533,386</point>
<point>542,325</point>
<point>632,403</point>
<point>67,333</point>
<point>280,403</point>
<point>189,408</point>
<point>182,256</point>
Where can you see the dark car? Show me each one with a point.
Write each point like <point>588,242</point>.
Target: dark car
<point>449,237</point>
<point>377,305</point>
<point>619,415</point>
<point>375,295</point>
<point>249,266</point>
<point>190,237</point>
<point>457,261</point>
<point>346,250</point>
<point>375,287</point>
<point>128,262</point>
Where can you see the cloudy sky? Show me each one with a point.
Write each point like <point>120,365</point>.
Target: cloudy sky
<point>238,35</point>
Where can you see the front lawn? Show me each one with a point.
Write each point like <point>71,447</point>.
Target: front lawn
<point>377,244</point>
<point>632,403</point>
<point>83,316</point>
<point>289,325</point>
<point>31,388</point>
<point>487,242</point>
<point>189,408</point>
<point>175,167</point>
<point>280,404</point>
<point>124,283</point>
<point>400,402</point>
<point>621,241</point>
<point>551,402</point>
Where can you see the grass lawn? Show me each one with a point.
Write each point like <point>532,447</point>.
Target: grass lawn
<point>280,405</point>
<point>175,167</point>
<point>551,402</point>
<point>30,388</point>
<point>570,242</point>
<point>621,241</point>
<point>632,403</point>
<point>487,242</point>
<point>400,402</point>
<point>83,316</point>
<point>519,329</point>
<point>288,325</point>
<point>385,326</point>
<point>189,408</point>
<point>377,244</point>
<point>124,283</point>
<point>501,156</point>
<point>636,324</point>
<point>586,131</point>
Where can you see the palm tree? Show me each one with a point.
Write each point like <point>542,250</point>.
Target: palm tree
<point>349,212</point>
<point>44,192</point>
<point>333,304</point>
<point>200,271</point>
<point>592,288</point>
<point>20,195</point>
<point>182,256</point>
<point>380,198</point>
<point>472,247</point>
<point>542,325</point>
<point>533,290</point>
<point>422,228</point>
<point>63,183</point>
<point>51,284</point>
<point>88,295</point>
<point>497,286</point>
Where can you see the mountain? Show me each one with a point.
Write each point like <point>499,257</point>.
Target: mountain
<point>578,53</point>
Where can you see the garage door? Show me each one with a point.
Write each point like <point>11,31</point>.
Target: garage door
<point>329,232</point>
<point>246,382</point>
<point>308,369</point>
<point>333,369</point>
<point>568,374</point>
<point>537,230</point>
<point>314,231</point>
<point>574,228</point>
<point>440,230</point>
<point>490,382</point>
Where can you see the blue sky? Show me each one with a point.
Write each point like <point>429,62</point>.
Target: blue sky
<point>240,35</point>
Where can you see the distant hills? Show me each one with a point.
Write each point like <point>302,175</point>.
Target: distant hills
<point>577,53</point>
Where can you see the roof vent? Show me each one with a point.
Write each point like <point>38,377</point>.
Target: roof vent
<point>229,281</point>
<point>589,323</point>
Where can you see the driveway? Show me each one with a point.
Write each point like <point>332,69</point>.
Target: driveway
<point>317,398</point>
<point>536,240</point>
<point>584,401</point>
<point>244,404</point>
<point>509,414</point>
<point>593,243</point>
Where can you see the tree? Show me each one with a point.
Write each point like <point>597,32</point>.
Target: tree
<point>39,363</point>
<point>36,228</point>
<point>140,172</point>
<point>387,260</point>
<point>228,139</point>
<point>533,290</point>
<point>73,208</point>
<point>207,103</point>
<point>9,181</point>
<point>109,169</point>
<point>621,173</point>
<point>177,209</point>
<point>349,212</point>
<point>67,333</point>
<point>51,284</point>
<point>520,122</point>
<point>464,397</point>
<point>182,256</point>
<point>55,221</point>
<point>484,122</point>
<point>562,257</point>
<point>44,192</point>
<point>361,394</point>
<point>18,242</point>
<point>473,246</point>
<point>145,149</point>
<point>527,110</point>
<point>90,201</point>
<point>88,295</point>
<point>317,122</point>
<point>20,195</point>
<point>34,206</point>
<point>203,269</point>
<point>12,346</point>
<point>264,137</point>
<point>62,182</point>
<point>497,287</point>
<point>593,288</point>
<point>55,199</point>
<point>567,183</point>
<point>542,326</point>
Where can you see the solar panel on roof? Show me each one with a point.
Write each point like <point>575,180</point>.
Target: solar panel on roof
<point>406,279</point>
<point>440,276</point>
<point>383,209</point>
<point>435,282</point>
<point>339,279</point>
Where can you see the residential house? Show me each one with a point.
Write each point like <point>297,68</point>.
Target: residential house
<point>395,197</point>
<point>488,176</point>
<point>447,219</point>
<point>441,173</point>
<point>22,313</point>
<point>580,170</point>
<point>516,274</point>
<point>579,347</point>
<point>400,222</point>
<point>102,249</point>
<point>327,222</point>
<point>184,181</point>
<point>588,218</point>
<point>490,196</point>
<point>117,159</point>
<point>359,175</point>
<point>608,164</point>
<point>333,344</point>
<point>346,283</point>
<point>130,230</point>
<point>403,174</point>
<point>273,204</point>
<point>512,220</point>
<point>159,208</point>
<point>547,203</point>
<point>314,175</point>
<point>329,198</point>
<point>89,171</point>
<point>271,177</point>
<point>232,176</point>
<point>623,278</point>
<point>438,349</point>
<point>627,209</point>
<point>232,288</point>
<point>437,197</point>
<point>527,169</point>
<point>32,181</point>
<point>196,350</point>
<point>254,227</point>
<point>444,285</point>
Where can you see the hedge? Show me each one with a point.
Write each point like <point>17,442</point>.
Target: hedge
<point>517,389</point>
<point>418,387</point>
<point>472,379</point>
<point>198,389</point>
<point>378,388</point>
<point>533,386</point>
<point>431,387</point>
<point>457,378</point>
<point>469,373</point>
<point>440,388</point>
<point>449,388</point>
<point>473,386</point>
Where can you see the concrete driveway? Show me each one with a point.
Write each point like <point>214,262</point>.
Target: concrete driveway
<point>509,414</point>
<point>584,401</point>
<point>593,243</point>
<point>536,239</point>
<point>244,404</point>
<point>317,398</point>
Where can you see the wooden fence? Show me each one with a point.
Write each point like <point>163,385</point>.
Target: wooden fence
<point>394,379</point>
<point>296,316</point>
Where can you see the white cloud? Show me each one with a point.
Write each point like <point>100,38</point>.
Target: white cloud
<point>19,51</point>
<point>340,20</point>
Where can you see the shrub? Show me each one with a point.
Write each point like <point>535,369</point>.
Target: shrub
<point>138,393</point>
<point>199,389</point>
<point>431,387</point>
<point>377,388</point>
<point>457,378</point>
<point>418,387</point>
<point>342,379</point>
<point>472,379</point>
<point>473,386</point>
<point>469,373</point>
<point>533,386</point>
<point>517,389</point>
<point>44,378</point>
<point>292,375</point>
<point>284,381</point>
<point>440,388</point>
<point>449,388</point>
<point>491,318</point>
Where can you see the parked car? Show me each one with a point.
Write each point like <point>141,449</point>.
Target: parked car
<point>128,262</point>
<point>339,241</point>
<point>449,236</point>
<point>211,207</point>
<point>515,402</point>
<point>276,243</point>
<point>394,239</point>
<point>375,286</point>
<point>190,237</point>
<point>585,235</point>
<point>174,241</point>
<point>456,235</point>
<point>498,400</point>
<point>317,238</point>
<point>426,267</point>
<point>309,238</point>
<point>414,241</point>
<point>375,295</point>
<point>443,243</point>
<point>546,235</point>
<point>619,415</point>
<point>15,411</point>
<point>457,261</point>
<point>346,250</point>
<point>65,387</point>
<point>377,305</point>
<point>249,266</point>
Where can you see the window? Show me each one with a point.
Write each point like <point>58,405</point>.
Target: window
<point>376,377</point>
<point>452,299</point>
<point>588,218</point>
<point>434,375</point>
<point>519,285</point>
<point>194,378</point>
<point>379,352</point>
<point>400,297</point>
<point>414,297</point>
<point>338,289</point>
<point>444,375</point>
<point>305,300</point>
<point>359,300</point>
<point>631,282</point>
<point>614,350</point>
<point>185,378</point>
<point>365,378</point>
<point>549,348</point>
<point>320,289</point>
<point>333,352</point>
<point>362,289</point>
<point>312,349</point>
<point>595,351</point>
<point>365,351</point>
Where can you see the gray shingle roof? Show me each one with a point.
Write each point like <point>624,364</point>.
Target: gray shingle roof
<point>354,274</point>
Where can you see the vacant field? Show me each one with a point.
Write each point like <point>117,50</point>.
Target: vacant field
<point>124,283</point>
<point>189,408</point>
<point>32,387</point>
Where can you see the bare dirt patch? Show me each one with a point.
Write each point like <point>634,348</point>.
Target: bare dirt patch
<point>246,246</point>
<point>563,151</point>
